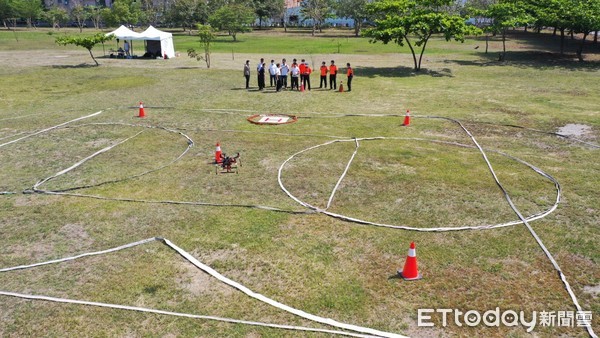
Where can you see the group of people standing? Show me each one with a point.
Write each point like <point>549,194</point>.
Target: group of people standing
<point>299,74</point>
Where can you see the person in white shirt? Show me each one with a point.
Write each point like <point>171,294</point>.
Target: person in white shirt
<point>272,71</point>
<point>295,75</point>
<point>285,69</point>
<point>278,79</point>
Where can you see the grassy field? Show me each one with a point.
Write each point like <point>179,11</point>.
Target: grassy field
<point>325,266</point>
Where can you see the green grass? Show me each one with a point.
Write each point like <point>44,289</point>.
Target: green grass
<point>319,264</point>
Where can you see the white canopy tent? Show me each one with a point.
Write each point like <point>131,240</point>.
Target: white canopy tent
<point>157,42</point>
<point>125,33</point>
<point>165,42</point>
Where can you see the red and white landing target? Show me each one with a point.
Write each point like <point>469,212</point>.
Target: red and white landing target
<point>272,119</point>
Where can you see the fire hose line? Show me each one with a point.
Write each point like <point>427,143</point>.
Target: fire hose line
<point>65,192</point>
<point>343,175</point>
<point>190,144</point>
<point>563,278</point>
<point>357,331</point>
<point>522,219</point>
<point>593,145</point>
<point>50,128</point>
<point>64,171</point>
<point>356,220</point>
<point>10,136</point>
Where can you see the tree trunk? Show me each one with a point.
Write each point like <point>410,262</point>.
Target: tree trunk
<point>93,58</point>
<point>487,38</point>
<point>562,41</point>
<point>423,50</point>
<point>234,34</point>
<point>417,68</point>
<point>596,37</point>
<point>313,29</point>
<point>580,50</point>
<point>356,27</point>
<point>554,32</point>
<point>259,23</point>
<point>572,35</point>
<point>503,55</point>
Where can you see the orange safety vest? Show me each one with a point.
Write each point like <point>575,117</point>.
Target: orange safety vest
<point>302,68</point>
<point>350,72</point>
<point>323,70</point>
<point>333,69</point>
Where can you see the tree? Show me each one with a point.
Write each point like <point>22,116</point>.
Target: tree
<point>506,15</point>
<point>233,19</point>
<point>315,10</point>
<point>265,9</point>
<point>353,9</point>
<point>553,13</point>
<point>79,15</point>
<point>95,14</point>
<point>207,35</point>
<point>585,19</point>
<point>122,12</point>
<point>401,21</point>
<point>31,10</point>
<point>56,16</point>
<point>187,13</point>
<point>7,11</point>
<point>87,42</point>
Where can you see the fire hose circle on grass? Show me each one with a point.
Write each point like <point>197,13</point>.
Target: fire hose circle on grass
<point>361,221</point>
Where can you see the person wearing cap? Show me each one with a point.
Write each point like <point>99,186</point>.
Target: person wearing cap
<point>332,75</point>
<point>323,75</point>
<point>285,69</point>
<point>350,74</point>
<point>247,73</point>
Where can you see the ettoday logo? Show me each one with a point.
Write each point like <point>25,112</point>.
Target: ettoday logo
<point>495,318</point>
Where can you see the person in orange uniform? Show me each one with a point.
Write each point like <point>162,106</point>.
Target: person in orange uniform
<point>323,76</point>
<point>306,73</point>
<point>302,67</point>
<point>332,75</point>
<point>350,74</point>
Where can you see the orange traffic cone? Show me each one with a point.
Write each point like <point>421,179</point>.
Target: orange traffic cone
<point>341,87</point>
<point>218,153</point>
<point>301,88</point>
<point>410,271</point>
<point>142,113</point>
<point>406,118</point>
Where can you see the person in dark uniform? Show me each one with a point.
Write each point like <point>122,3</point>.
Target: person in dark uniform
<point>247,73</point>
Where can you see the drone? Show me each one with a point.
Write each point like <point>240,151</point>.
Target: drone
<point>228,164</point>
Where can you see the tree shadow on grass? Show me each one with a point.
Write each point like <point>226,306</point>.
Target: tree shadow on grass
<point>532,59</point>
<point>372,72</point>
